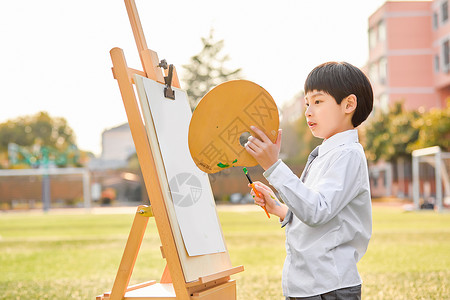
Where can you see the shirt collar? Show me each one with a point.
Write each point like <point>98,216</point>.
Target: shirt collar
<point>339,139</point>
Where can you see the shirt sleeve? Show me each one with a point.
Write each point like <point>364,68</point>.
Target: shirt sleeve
<point>270,170</point>
<point>316,205</point>
<point>287,219</point>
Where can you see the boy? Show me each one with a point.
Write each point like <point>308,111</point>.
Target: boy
<point>327,211</point>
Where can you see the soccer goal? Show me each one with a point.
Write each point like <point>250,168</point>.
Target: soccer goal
<point>422,190</point>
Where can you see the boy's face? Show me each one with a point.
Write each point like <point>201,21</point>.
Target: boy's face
<point>324,116</point>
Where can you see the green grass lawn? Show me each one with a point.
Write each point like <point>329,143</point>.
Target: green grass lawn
<point>75,256</point>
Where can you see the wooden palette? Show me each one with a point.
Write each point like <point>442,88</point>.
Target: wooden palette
<point>223,117</point>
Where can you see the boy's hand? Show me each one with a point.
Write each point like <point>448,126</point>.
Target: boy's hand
<point>269,200</point>
<point>263,150</point>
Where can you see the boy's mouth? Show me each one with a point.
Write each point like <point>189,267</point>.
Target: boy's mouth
<point>312,124</point>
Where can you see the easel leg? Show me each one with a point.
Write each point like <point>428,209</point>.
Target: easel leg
<point>129,255</point>
<point>165,278</point>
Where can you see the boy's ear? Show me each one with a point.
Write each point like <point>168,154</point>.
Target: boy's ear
<point>350,103</point>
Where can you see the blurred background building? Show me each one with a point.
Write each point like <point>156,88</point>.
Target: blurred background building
<point>409,61</point>
<point>116,174</point>
<point>409,54</point>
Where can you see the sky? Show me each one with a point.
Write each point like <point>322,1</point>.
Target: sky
<point>54,54</point>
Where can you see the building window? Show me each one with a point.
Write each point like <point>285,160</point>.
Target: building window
<point>377,34</point>
<point>445,56</point>
<point>435,20</point>
<point>384,103</point>
<point>444,11</point>
<point>382,70</point>
<point>372,38</point>
<point>436,63</point>
<point>373,72</point>
<point>381,31</point>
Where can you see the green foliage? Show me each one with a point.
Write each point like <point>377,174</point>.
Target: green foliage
<point>37,139</point>
<point>207,69</point>
<point>76,256</point>
<point>38,129</point>
<point>387,135</point>
<point>434,127</point>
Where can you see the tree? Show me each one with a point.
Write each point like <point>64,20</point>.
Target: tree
<point>388,135</point>
<point>207,69</point>
<point>38,138</point>
<point>434,129</point>
<point>38,129</point>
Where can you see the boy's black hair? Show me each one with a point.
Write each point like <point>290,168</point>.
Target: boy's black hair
<point>341,79</point>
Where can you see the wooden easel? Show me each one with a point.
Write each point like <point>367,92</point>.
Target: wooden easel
<point>172,285</point>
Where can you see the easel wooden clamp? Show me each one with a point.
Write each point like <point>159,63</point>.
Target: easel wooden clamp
<point>168,92</point>
<point>215,285</point>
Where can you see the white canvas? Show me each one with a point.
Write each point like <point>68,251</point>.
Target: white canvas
<point>189,187</point>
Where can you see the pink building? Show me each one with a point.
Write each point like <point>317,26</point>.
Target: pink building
<point>441,49</point>
<point>409,60</point>
<point>409,54</point>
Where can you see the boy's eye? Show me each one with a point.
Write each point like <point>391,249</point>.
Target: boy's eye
<point>317,102</point>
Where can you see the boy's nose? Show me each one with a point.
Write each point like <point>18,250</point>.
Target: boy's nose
<point>307,111</point>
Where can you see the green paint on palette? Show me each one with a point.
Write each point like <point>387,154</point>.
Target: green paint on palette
<point>221,165</point>
<point>234,161</point>
<point>272,197</point>
<point>245,170</point>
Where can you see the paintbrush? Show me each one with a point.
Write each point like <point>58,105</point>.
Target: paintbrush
<point>255,190</point>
